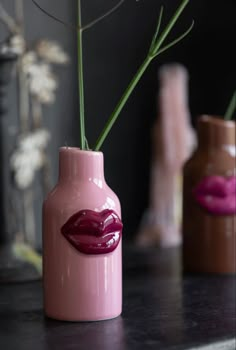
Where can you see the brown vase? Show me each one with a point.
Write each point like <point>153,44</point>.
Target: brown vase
<point>209,200</point>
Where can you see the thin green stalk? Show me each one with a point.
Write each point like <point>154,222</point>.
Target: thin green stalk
<point>231,107</point>
<point>121,103</point>
<point>69,25</point>
<point>157,29</point>
<point>170,25</point>
<point>154,51</point>
<point>81,79</point>
<point>106,14</point>
<point>174,42</point>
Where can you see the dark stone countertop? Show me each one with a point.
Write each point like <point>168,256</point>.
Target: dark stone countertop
<point>161,310</point>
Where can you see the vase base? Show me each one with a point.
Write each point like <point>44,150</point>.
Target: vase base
<point>68,319</point>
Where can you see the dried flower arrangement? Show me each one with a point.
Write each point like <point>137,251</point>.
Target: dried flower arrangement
<point>37,88</point>
<point>37,84</point>
<point>156,48</point>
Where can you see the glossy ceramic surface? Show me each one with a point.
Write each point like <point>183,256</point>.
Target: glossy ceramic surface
<point>78,286</point>
<point>209,221</point>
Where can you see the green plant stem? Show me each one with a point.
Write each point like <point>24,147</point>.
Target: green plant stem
<point>154,51</point>
<point>170,25</point>
<point>121,103</point>
<point>174,42</point>
<point>81,79</point>
<point>231,107</point>
<point>106,14</point>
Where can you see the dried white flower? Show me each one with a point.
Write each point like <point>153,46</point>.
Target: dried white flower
<point>42,82</point>
<point>15,45</point>
<point>29,157</point>
<point>36,139</point>
<point>52,52</point>
<point>28,59</point>
<point>37,67</point>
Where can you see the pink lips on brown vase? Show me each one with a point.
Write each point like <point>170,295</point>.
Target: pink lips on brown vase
<point>92,232</point>
<point>217,194</point>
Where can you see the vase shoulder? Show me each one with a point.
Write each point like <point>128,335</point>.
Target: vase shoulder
<point>82,195</point>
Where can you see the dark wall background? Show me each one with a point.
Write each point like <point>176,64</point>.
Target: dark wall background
<point>113,50</point>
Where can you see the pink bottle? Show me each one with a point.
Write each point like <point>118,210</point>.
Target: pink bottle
<point>82,261</point>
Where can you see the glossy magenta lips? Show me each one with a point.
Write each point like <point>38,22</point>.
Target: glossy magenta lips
<point>92,232</point>
<point>217,194</point>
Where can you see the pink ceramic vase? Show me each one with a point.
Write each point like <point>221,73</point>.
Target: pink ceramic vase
<point>82,261</point>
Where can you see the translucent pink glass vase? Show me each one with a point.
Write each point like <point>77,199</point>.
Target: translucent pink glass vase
<point>82,261</point>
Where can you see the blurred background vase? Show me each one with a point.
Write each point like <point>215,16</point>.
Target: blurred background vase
<point>173,141</point>
<point>209,200</point>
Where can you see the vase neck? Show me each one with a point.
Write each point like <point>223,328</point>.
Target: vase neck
<point>215,132</point>
<point>80,165</point>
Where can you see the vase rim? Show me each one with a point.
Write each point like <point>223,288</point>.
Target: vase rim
<point>77,150</point>
<point>217,120</point>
